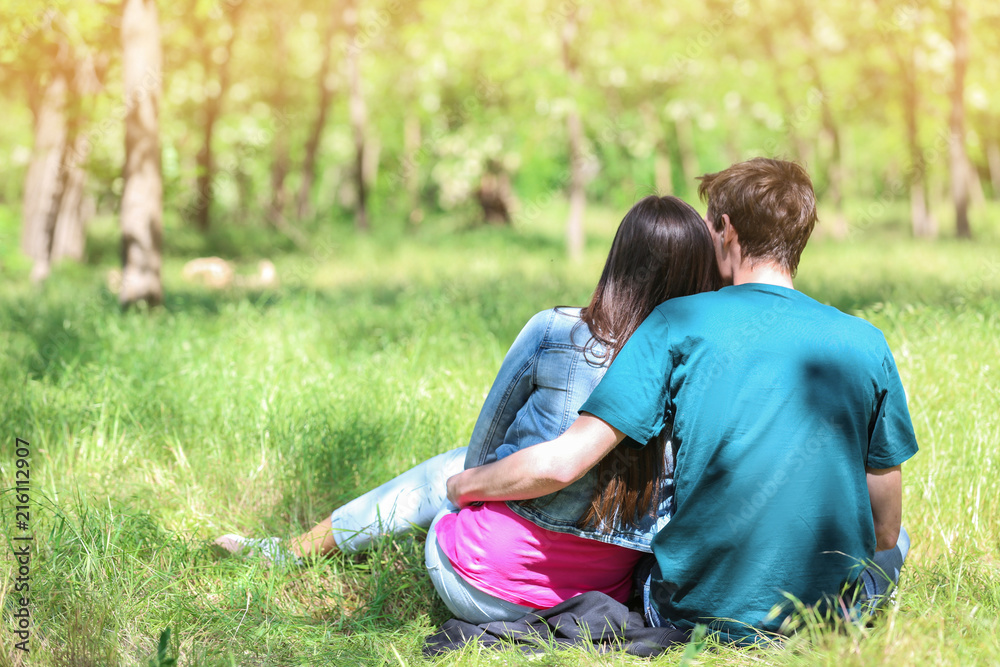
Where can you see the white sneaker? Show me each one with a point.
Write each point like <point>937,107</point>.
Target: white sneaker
<point>266,548</point>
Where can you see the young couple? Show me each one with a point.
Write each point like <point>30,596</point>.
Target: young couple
<point>749,437</point>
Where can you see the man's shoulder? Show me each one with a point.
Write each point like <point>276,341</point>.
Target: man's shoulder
<point>848,325</point>
<point>754,304</point>
<point>700,301</point>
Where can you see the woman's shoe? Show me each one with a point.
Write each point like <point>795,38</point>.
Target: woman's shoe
<point>266,548</point>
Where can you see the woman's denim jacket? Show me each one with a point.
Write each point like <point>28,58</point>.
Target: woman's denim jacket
<point>546,376</point>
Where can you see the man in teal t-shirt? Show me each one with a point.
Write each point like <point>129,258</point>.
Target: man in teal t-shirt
<point>789,425</point>
<point>780,404</point>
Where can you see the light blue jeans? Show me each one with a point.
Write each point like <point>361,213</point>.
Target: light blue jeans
<point>878,580</point>
<point>419,497</point>
<point>463,599</point>
<point>413,498</point>
<point>881,578</point>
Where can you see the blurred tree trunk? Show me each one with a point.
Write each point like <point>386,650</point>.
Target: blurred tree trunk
<point>142,198</point>
<point>993,160</point>
<point>800,146</point>
<point>55,208</point>
<point>663,178</point>
<point>42,181</point>
<point>835,166</point>
<point>663,174</point>
<point>411,167</point>
<point>685,146</point>
<point>246,191</point>
<point>279,104</point>
<point>835,163</point>
<point>68,232</point>
<point>359,114</point>
<point>302,205</point>
<point>574,129</point>
<point>495,195</point>
<point>976,193</point>
<point>959,159</point>
<point>68,237</point>
<point>210,115</point>
<point>923,223</point>
<point>372,158</point>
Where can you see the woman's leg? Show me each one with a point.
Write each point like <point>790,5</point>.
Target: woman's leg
<point>463,599</point>
<point>411,499</point>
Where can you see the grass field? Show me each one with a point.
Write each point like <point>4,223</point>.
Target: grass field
<point>259,411</point>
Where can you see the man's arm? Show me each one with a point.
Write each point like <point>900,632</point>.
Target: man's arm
<point>538,470</point>
<point>885,489</point>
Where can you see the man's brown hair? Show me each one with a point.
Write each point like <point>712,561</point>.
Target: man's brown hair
<point>770,203</point>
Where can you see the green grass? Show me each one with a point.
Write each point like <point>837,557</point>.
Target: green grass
<point>258,412</point>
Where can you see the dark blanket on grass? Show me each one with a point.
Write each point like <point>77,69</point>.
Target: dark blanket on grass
<point>589,620</point>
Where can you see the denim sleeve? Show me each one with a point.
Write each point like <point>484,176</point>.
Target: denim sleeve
<point>510,391</point>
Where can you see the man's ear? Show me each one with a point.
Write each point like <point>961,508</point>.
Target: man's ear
<point>728,231</point>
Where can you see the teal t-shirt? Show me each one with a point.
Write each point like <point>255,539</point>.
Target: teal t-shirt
<point>778,403</point>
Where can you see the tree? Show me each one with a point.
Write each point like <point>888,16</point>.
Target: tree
<point>142,198</point>
<point>551,102</point>
<point>279,104</point>
<point>959,159</point>
<point>326,89</point>
<point>214,58</point>
<point>831,130</point>
<point>903,45</point>
<point>765,34</point>
<point>41,187</point>
<point>359,114</point>
<point>55,203</point>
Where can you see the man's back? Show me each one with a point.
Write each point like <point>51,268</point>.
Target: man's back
<point>778,404</point>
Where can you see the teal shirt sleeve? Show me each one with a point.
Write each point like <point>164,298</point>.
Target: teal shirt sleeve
<point>633,395</point>
<point>892,440</point>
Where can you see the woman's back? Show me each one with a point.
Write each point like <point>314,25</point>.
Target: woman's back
<point>551,368</point>
<point>549,372</point>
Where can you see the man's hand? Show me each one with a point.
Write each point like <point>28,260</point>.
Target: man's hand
<point>885,489</point>
<point>538,470</point>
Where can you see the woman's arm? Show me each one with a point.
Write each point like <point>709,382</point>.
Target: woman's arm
<point>539,470</point>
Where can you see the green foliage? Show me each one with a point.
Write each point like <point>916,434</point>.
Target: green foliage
<point>696,646</point>
<point>161,659</point>
<point>258,411</point>
<point>697,85</point>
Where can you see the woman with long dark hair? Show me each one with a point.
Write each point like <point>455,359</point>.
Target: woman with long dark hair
<point>499,560</point>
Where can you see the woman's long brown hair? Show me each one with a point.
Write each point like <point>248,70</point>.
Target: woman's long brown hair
<point>662,250</point>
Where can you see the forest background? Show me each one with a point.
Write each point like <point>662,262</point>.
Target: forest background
<point>392,188</point>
